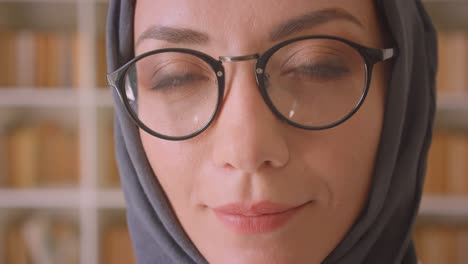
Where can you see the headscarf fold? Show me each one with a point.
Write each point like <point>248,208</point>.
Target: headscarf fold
<point>382,233</point>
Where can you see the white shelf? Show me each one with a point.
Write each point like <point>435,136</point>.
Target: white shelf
<point>37,97</point>
<point>444,208</point>
<point>104,98</point>
<point>59,198</point>
<point>51,97</point>
<point>111,199</point>
<point>40,199</point>
<point>452,111</point>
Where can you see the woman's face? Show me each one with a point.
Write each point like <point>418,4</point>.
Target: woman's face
<point>251,188</point>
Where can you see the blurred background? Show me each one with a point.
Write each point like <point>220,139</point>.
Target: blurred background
<point>60,200</point>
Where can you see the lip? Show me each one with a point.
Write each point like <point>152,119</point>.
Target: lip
<point>261,217</point>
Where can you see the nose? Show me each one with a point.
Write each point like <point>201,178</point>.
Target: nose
<point>248,136</point>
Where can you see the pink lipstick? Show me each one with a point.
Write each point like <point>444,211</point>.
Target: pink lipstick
<point>257,218</point>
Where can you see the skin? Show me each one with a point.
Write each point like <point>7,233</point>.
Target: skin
<point>248,154</point>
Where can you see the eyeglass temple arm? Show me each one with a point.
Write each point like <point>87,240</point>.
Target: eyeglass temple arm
<point>111,78</point>
<point>111,81</point>
<point>388,54</point>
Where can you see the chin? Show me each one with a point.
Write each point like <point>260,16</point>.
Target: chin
<point>284,245</point>
<point>253,256</point>
<point>264,254</point>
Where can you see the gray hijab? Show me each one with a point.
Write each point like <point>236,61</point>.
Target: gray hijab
<point>382,234</point>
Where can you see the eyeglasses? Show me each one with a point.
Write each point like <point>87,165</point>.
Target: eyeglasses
<point>311,82</point>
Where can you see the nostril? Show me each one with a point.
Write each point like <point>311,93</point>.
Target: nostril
<point>228,166</point>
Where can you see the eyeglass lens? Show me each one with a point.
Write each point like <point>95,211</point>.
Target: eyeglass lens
<point>315,82</point>
<point>175,93</point>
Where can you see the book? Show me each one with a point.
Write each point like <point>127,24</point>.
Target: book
<point>42,238</point>
<point>3,159</point>
<point>463,245</point>
<point>22,158</point>
<point>61,53</point>
<point>42,59</point>
<point>42,154</point>
<point>16,250</point>
<point>58,155</point>
<point>108,172</point>
<point>66,56</point>
<point>116,245</point>
<point>447,166</point>
<point>75,59</point>
<point>112,171</point>
<point>25,58</point>
<point>441,243</point>
<point>437,164</point>
<point>7,61</point>
<point>453,61</point>
<point>457,164</point>
<point>101,63</point>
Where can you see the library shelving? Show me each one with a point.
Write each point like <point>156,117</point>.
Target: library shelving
<point>71,34</point>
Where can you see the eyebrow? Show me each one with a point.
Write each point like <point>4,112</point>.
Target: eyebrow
<point>312,19</point>
<point>173,35</point>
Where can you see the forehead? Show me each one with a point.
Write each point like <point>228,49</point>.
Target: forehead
<point>231,23</point>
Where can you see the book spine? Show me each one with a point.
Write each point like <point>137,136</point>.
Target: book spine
<point>25,58</point>
<point>22,156</point>
<point>7,61</point>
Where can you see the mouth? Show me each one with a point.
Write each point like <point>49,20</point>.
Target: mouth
<point>261,217</point>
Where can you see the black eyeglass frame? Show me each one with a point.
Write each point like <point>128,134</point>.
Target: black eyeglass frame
<point>371,56</point>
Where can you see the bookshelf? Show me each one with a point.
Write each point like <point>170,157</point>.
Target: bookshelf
<point>83,103</point>
<point>441,231</point>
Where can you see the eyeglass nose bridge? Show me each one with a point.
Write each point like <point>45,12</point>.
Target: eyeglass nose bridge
<point>254,56</point>
<point>239,58</point>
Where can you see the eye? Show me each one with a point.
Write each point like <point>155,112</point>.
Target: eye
<point>331,69</point>
<point>322,70</point>
<point>172,71</point>
<point>178,80</point>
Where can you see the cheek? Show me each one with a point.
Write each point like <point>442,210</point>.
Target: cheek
<point>357,142</point>
<point>176,165</point>
<point>344,156</point>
